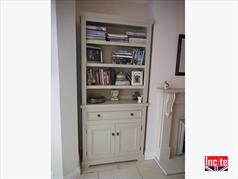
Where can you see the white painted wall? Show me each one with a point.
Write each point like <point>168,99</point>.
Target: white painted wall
<point>56,142</point>
<point>169,22</point>
<point>66,34</point>
<point>169,17</point>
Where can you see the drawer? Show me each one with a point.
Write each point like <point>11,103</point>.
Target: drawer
<point>135,114</point>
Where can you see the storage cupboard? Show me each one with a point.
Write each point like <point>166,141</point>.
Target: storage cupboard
<point>115,59</point>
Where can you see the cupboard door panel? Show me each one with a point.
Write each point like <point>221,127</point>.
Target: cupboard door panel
<point>100,141</point>
<point>127,138</point>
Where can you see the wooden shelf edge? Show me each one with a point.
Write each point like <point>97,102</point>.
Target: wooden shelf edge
<point>102,42</point>
<point>114,65</point>
<point>113,105</point>
<point>113,87</point>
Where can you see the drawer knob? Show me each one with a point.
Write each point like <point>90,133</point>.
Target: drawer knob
<point>113,134</point>
<point>132,114</point>
<point>99,115</point>
<point>117,133</point>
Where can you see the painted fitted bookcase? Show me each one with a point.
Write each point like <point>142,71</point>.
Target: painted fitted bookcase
<point>113,131</point>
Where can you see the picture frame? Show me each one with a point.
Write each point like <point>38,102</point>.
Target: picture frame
<point>136,78</point>
<point>180,63</point>
<point>94,54</point>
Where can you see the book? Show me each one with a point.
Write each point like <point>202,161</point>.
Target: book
<point>93,27</point>
<point>136,34</point>
<point>117,37</point>
<point>138,55</point>
<point>137,40</point>
<point>100,76</point>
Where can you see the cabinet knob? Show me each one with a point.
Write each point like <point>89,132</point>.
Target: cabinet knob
<point>113,134</point>
<point>99,115</point>
<point>117,133</point>
<point>132,114</point>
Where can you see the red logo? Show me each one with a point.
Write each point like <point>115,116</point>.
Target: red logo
<point>216,163</point>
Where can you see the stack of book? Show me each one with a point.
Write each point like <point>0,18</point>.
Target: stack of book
<point>117,37</point>
<point>137,37</point>
<point>121,80</point>
<point>96,32</point>
<point>100,76</point>
<point>122,56</point>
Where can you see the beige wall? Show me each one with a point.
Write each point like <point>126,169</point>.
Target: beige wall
<point>66,36</point>
<point>169,17</point>
<point>169,22</point>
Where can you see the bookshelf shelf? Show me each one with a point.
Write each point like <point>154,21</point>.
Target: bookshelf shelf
<point>125,44</point>
<point>119,103</point>
<point>113,87</point>
<point>108,65</point>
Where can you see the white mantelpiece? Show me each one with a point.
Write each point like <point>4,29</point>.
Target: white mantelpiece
<point>166,110</point>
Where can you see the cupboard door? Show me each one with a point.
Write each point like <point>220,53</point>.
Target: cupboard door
<point>100,141</point>
<point>127,139</point>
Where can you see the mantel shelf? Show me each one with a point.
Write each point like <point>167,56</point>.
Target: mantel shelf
<point>113,87</point>
<point>108,65</point>
<point>126,44</point>
<point>172,90</point>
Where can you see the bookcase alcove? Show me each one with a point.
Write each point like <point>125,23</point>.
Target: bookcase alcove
<point>114,130</point>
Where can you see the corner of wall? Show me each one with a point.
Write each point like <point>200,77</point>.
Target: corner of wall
<point>74,174</point>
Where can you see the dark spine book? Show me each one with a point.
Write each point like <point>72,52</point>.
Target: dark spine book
<point>112,76</point>
<point>97,77</point>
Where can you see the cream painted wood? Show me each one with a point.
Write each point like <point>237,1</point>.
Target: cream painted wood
<point>83,60</point>
<point>114,65</point>
<point>100,42</point>
<point>127,139</point>
<point>100,141</point>
<point>114,115</point>
<point>114,87</point>
<point>163,156</point>
<point>129,145</point>
<point>137,125</point>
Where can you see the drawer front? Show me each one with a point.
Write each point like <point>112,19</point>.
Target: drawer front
<point>135,114</point>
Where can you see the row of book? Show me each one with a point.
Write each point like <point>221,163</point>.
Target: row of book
<point>100,33</point>
<point>96,32</point>
<point>100,76</point>
<point>128,56</point>
<point>136,37</point>
<point>122,56</point>
<point>117,37</point>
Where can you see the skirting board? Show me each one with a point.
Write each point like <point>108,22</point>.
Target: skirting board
<point>173,166</point>
<point>57,177</point>
<point>74,174</point>
<point>149,156</point>
<point>53,177</point>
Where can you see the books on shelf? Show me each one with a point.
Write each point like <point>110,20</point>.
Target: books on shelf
<point>128,56</point>
<point>122,83</point>
<point>122,56</point>
<point>99,28</point>
<point>117,37</point>
<point>100,76</point>
<point>137,40</point>
<point>137,37</point>
<point>96,32</point>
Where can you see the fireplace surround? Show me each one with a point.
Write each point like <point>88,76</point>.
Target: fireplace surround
<point>171,110</point>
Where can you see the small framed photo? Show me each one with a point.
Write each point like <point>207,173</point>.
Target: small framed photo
<point>94,54</point>
<point>137,78</point>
